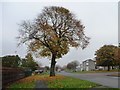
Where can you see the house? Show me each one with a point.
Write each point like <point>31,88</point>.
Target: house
<point>88,65</point>
<point>78,68</point>
<point>81,67</point>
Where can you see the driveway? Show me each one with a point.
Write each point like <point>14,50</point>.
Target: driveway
<point>99,78</point>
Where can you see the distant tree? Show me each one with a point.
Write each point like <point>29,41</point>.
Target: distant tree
<point>29,62</point>
<point>52,34</point>
<point>75,63</point>
<point>11,61</point>
<point>105,56</point>
<point>72,65</point>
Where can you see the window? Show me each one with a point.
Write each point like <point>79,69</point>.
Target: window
<point>87,63</point>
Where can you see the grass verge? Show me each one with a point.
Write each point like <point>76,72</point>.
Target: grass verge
<point>69,82</point>
<point>59,81</point>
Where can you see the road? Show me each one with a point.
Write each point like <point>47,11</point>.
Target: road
<point>99,78</point>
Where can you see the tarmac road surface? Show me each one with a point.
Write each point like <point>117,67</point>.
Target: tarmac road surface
<point>99,78</point>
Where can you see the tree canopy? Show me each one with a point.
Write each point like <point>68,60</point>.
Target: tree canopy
<point>11,61</point>
<point>52,34</point>
<point>72,65</point>
<point>29,62</point>
<point>117,57</point>
<point>105,56</point>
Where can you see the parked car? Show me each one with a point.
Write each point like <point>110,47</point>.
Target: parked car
<point>38,71</point>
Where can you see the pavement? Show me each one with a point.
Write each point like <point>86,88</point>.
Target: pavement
<point>99,78</point>
<point>40,85</point>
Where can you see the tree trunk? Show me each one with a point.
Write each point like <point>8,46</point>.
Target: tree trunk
<point>52,68</point>
<point>112,67</point>
<point>108,68</point>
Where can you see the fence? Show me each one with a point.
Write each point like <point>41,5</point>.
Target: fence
<point>11,74</point>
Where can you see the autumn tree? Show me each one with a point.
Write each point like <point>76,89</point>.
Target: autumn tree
<point>105,56</point>
<point>117,57</point>
<point>52,33</point>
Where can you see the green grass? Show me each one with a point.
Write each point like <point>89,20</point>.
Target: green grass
<point>69,82</point>
<point>59,81</point>
<point>53,82</point>
<point>22,85</point>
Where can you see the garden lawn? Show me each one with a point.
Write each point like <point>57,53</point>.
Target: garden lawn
<point>58,81</point>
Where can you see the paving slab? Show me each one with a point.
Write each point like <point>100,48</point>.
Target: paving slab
<point>40,85</point>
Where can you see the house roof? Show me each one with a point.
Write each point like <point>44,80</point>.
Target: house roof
<point>88,60</point>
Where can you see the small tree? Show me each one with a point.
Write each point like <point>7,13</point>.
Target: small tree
<point>52,34</point>
<point>29,62</point>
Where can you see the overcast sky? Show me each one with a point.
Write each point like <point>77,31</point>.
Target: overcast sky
<point>99,18</point>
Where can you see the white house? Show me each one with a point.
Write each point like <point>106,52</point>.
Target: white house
<point>88,65</point>
<point>81,67</point>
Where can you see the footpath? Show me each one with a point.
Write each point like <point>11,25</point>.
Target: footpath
<point>40,85</point>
